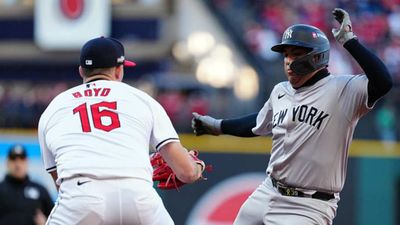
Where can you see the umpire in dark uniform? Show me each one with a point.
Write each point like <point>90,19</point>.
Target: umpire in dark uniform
<point>22,202</point>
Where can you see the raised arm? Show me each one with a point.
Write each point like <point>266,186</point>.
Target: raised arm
<point>379,79</point>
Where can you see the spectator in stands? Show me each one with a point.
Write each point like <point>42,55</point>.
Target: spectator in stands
<point>22,201</point>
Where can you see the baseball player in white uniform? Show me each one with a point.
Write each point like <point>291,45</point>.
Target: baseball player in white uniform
<point>311,118</point>
<point>95,140</point>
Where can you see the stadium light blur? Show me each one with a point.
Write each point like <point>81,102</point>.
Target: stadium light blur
<point>216,71</point>
<point>246,85</point>
<point>222,51</point>
<point>199,43</point>
<point>181,52</point>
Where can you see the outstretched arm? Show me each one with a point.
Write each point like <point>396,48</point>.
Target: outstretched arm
<point>241,127</point>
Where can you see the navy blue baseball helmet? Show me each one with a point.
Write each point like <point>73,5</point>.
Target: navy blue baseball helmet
<point>309,37</point>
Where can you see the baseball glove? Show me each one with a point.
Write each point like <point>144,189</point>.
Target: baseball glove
<point>165,176</point>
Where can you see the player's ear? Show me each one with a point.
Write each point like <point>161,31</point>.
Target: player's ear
<point>119,72</point>
<point>81,72</point>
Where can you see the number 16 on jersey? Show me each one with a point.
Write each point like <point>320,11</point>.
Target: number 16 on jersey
<point>99,114</point>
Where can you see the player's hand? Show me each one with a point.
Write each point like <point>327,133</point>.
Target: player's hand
<point>205,125</point>
<point>345,32</point>
<point>166,177</point>
<point>194,155</point>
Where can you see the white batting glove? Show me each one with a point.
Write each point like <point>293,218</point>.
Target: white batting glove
<point>345,32</point>
<point>206,125</point>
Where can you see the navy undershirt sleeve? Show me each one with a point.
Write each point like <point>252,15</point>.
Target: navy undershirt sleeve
<point>241,126</point>
<point>379,79</point>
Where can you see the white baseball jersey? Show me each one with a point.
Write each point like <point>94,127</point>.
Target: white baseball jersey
<point>103,129</point>
<point>312,128</point>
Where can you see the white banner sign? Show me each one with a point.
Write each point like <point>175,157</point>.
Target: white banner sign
<point>68,24</point>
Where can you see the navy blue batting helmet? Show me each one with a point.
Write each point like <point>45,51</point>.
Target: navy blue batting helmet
<point>310,37</point>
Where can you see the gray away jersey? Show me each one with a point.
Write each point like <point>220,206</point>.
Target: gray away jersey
<point>312,128</point>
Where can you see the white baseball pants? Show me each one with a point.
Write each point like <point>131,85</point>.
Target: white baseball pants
<point>87,201</point>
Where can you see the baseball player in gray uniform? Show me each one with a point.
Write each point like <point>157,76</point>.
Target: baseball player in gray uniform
<point>311,118</point>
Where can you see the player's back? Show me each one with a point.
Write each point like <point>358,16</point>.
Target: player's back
<point>100,129</point>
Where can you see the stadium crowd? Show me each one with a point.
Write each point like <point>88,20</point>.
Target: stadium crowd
<point>259,24</point>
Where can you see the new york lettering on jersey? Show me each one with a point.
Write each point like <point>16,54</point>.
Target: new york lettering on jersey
<point>302,114</point>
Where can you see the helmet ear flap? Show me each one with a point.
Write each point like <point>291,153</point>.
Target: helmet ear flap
<point>303,65</point>
<point>321,58</point>
<point>317,58</point>
<point>309,63</point>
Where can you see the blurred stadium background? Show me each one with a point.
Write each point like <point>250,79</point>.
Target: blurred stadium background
<point>208,56</point>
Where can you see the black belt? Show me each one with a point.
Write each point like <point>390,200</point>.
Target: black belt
<point>292,191</point>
